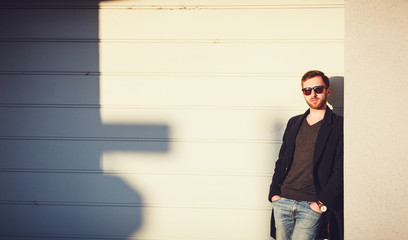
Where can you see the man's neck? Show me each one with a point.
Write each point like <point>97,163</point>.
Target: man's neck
<point>315,115</point>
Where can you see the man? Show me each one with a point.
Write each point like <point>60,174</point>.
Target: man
<point>307,187</point>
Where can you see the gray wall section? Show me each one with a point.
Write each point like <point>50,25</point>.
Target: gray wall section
<point>51,134</point>
<point>376,143</point>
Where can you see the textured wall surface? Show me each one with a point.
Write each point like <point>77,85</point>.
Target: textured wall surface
<point>376,168</point>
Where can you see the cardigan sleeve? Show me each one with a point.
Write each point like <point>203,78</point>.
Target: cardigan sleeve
<point>274,188</point>
<point>332,194</point>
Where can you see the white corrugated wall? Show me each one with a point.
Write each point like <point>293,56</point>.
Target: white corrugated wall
<point>152,119</point>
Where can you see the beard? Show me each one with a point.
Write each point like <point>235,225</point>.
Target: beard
<point>320,103</point>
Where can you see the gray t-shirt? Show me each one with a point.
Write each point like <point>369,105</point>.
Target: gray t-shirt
<point>299,184</point>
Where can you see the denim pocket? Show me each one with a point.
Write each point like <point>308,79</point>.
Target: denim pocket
<point>277,200</point>
<point>313,209</point>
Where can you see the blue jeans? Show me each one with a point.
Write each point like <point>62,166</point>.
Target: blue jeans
<point>295,220</point>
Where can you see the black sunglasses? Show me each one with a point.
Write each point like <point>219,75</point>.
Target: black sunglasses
<point>318,89</point>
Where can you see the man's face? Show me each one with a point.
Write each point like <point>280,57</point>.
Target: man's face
<point>316,100</point>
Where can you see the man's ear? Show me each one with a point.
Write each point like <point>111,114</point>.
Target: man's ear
<point>328,92</point>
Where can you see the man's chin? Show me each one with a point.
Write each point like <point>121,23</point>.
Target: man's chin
<point>317,105</point>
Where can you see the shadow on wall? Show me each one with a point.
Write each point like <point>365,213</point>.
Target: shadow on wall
<point>336,98</point>
<point>52,137</point>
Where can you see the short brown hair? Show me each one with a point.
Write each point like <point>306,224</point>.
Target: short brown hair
<point>315,73</point>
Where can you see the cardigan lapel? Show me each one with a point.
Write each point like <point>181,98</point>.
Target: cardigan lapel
<point>324,133</point>
<point>293,133</point>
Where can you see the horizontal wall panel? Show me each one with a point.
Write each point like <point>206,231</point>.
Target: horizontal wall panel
<point>149,3</point>
<point>49,4</point>
<point>76,222</point>
<point>176,90</point>
<point>207,91</point>
<point>151,90</point>
<point>212,191</point>
<point>134,124</point>
<point>220,58</point>
<point>82,24</point>
<point>166,57</point>
<point>205,158</point>
<point>201,91</point>
<point>202,224</point>
<point>222,24</point>
<point>221,3</point>
<point>73,122</point>
<point>138,157</point>
<point>142,223</point>
<point>167,190</point>
<point>49,89</point>
<point>88,189</point>
<point>49,23</point>
<point>49,56</point>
